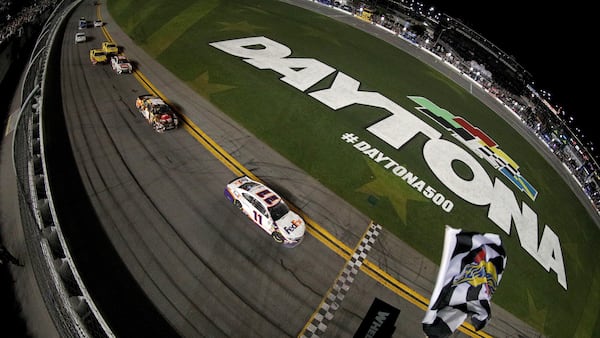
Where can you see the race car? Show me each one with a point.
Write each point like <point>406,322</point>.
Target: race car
<point>110,48</point>
<point>98,23</point>
<point>267,209</point>
<point>158,114</point>
<point>120,64</point>
<point>97,56</point>
<point>80,37</point>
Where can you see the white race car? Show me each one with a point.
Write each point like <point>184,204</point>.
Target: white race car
<point>80,37</point>
<point>120,64</point>
<point>267,209</point>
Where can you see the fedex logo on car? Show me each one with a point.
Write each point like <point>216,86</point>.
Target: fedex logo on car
<point>401,126</point>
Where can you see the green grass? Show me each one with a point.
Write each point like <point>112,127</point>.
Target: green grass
<point>308,133</point>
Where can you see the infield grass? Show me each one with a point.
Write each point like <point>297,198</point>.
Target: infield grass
<point>308,133</point>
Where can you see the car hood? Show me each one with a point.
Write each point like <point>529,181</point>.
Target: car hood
<point>291,226</point>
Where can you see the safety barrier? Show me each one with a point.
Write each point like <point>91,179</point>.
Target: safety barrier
<point>68,302</point>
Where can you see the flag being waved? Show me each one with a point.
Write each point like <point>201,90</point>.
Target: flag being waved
<point>470,271</point>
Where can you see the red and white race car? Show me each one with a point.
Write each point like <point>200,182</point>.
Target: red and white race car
<point>120,64</point>
<point>267,209</point>
<point>156,112</point>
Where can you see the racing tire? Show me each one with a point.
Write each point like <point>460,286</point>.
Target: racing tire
<point>158,127</point>
<point>238,204</point>
<point>277,236</point>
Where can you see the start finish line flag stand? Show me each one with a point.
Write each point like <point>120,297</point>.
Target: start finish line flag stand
<point>471,268</point>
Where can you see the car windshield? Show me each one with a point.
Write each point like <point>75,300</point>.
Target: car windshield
<point>163,109</point>
<point>279,210</point>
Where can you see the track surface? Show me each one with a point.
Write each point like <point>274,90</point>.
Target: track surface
<point>204,266</point>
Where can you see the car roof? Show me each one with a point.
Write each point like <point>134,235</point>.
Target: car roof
<point>256,188</point>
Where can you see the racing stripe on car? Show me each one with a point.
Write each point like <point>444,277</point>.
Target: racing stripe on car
<point>332,301</point>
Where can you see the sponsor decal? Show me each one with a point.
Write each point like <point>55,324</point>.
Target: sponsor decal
<point>479,272</point>
<point>379,322</point>
<point>401,126</point>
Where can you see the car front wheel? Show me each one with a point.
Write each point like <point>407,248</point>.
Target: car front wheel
<point>277,236</point>
<point>238,204</point>
<point>158,127</point>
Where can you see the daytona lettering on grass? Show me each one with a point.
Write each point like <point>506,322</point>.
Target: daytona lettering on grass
<point>407,176</point>
<point>400,126</point>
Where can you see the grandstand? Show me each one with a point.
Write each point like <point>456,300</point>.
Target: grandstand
<point>499,74</point>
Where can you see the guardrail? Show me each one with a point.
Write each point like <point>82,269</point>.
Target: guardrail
<point>67,300</point>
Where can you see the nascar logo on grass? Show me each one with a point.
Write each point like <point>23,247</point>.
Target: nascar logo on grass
<point>478,141</point>
<point>401,126</point>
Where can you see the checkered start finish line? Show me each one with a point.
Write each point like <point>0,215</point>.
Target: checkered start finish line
<point>334,297</point>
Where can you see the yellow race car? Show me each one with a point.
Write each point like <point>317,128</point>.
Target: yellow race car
<point>97,56</point>
<point>110,48</point>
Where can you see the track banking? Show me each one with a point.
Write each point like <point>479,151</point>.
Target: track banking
<point>401,126</point>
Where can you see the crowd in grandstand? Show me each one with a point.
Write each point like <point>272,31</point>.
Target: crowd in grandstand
<point>14,15</point>
<point>509,85</point>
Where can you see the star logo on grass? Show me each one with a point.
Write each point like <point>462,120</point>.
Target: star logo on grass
<point>387,185</point>
<point>240,26</point>
<point>203,85</point>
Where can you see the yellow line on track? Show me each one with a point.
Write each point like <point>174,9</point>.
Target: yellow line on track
<point>318,232</point>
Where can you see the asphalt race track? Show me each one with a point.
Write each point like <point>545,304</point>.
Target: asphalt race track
<point>160,245</point>
<point>159,197</point>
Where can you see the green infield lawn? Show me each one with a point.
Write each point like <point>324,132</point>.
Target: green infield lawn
<point>309,133</point>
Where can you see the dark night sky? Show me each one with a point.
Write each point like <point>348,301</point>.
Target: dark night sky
<point>550,41</point>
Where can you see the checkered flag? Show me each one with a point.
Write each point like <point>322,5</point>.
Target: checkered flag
<point>471,268</point>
